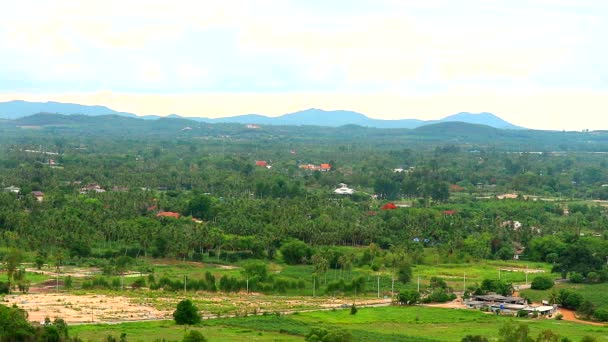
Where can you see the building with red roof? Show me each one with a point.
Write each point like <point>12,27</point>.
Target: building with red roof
<point>168,214</point>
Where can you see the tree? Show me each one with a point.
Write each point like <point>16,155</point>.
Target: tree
<point>404,273</point>
<point>194,336</point>
<point>12,261</point>
<point>295,252</point>
<point>542,283</point>
<point>186,313</point>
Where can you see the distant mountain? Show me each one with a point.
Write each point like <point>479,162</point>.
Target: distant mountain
<point>484,118</point>
<point>19,109</point>
<point>309,117</point>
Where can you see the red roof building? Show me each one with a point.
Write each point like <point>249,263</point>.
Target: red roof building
<point>325,166</point>
<point>449,212</point>
<point>389,206</point>
<point>261,163</point>
<point>168,214</point>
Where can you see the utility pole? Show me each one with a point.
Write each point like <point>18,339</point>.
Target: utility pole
<point>526,274</point>
<point>393,287</point>
<point>499,274</point>
<point>247,285</point>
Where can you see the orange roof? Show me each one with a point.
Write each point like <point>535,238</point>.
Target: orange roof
<point>261,163</point>
<point>389,206</point>
<point>168,214</point>
<point>325,166</point>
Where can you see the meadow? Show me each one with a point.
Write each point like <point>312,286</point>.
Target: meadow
<point>369,324</point>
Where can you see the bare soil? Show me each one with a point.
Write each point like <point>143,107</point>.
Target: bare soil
<point>84,308</point>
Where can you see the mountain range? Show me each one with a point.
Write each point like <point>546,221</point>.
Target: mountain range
<point>313,117</point>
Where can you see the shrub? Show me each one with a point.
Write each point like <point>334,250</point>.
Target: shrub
<point>186,313</point>
<point>295,252</point>
<point>576,278</point>
<point>409,297</point>
<point>542,283</point>
<point>601,315</point>
<point>570,299</point>
<point>474,338</point>
<point>353,310</point>
<point>194,336</point>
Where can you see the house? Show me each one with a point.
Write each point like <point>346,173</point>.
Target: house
<point>92,187</point>
<point>507,196</point>
<point>543,310</point>
<point>253,126</point>
<point>168,214</point>
<point>325,167</point>
<point>343,190</point>
<point>39,195</point>
<point>12,189</point>
<point>449,212</point>
<point>261,163</point>
<point>496,298</point>
<point>389,206</point>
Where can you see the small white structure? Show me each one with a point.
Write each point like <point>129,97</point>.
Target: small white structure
<point>12,189</point>
<point>344,190</point>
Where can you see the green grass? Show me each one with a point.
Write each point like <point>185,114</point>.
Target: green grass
<point>595,293</point>
<point>150,331</point>
<point>369,324</point>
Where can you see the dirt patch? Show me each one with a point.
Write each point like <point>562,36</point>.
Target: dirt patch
<point>84,308</point>
<point>570,316</point>
<point>455,304</point>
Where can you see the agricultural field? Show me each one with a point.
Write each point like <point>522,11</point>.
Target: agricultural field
<point>369,324</point>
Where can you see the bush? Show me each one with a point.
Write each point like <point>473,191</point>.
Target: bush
<point>409,297</point>
<point>295,252</point>
<point>186,313</point>
<point>474,338</point>
<point>542,283</point>
<point>576,278</point>
<point>353,310</point>
<point>601,315</point>
<point>570,299</point>
<point>194,336</point>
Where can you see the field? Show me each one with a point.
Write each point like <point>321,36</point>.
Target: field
<point>595,293</point>
<point>369,324</point>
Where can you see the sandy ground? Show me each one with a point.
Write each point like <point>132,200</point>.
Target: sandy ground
<point>84,308</point>
<point>91,308</point>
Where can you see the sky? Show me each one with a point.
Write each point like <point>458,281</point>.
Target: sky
<point>535,63</point>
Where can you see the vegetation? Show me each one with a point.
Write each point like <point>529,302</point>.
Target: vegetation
<point>160,211</point>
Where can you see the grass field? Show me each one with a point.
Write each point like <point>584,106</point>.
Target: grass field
<point>595,293</point>
<point>369,324</point>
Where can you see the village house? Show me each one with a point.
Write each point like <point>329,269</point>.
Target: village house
<point>12,189</point>
<point>38,195</point>
<point>168,214</point>
<point>93,187</point>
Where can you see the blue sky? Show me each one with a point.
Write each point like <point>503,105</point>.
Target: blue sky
<point>536,63</point>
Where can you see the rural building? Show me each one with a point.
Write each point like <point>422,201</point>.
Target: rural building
<point>168,214</point>
<point>39,195</point>
<point>261,163</point>
<point>344,190</point>
<point>12,189</point>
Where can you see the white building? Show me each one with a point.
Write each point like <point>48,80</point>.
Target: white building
<point>344,190</point>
